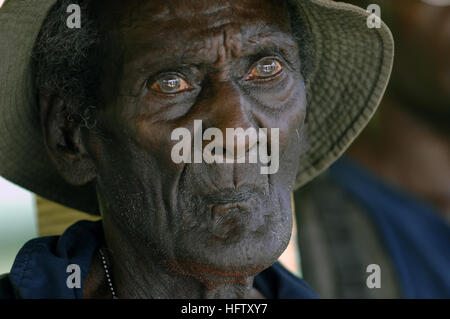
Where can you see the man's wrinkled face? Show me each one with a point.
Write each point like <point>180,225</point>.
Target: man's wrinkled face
<point>231,64</point>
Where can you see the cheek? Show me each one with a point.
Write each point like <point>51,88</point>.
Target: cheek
<point>289,111</point>
<point>294,111</point>
<point>153,140</point>
<point>292,126</point>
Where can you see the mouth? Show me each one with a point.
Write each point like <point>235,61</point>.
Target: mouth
<point>232,211</point>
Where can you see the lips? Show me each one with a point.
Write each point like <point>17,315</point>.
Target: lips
<point>233,212</point>
<point>228,196</point>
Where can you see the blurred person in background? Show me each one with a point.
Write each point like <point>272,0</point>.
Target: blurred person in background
<point>389,205</point>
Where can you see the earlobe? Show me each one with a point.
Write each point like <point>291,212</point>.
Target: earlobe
<point>63,140</point>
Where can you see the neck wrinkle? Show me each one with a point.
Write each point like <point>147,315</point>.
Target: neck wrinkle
<point>137,275</point>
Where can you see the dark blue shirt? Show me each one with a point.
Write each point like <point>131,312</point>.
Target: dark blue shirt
<point>39,270</point>
<point>417,238</point>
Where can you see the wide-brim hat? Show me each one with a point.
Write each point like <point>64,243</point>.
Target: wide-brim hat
<point>350,68</point>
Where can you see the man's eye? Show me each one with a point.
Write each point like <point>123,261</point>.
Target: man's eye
<point>170,84</point>
<point>265,69</point>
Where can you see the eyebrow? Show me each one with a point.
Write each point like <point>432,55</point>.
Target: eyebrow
<point>280,42</point>
<point>255,44</point>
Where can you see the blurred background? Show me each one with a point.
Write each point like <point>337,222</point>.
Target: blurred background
<point>18,221</point>
<point>24,216</point>
<point>387,201</point>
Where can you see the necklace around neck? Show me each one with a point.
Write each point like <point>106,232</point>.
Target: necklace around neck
<point>108,274</point>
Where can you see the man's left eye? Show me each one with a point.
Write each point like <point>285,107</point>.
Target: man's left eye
<point>265,69</point>
<point>171,84</point>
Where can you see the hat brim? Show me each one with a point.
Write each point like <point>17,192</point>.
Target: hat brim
<point>350,70</point>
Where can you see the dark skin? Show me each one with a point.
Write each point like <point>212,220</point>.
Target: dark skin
<point>185,230</point>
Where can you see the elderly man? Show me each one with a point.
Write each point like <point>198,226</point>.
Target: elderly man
<point>88,120</point>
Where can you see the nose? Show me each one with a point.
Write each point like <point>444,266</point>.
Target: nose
<point>230,112</point>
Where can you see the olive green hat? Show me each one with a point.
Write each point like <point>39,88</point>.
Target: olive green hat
<point>350,68</point>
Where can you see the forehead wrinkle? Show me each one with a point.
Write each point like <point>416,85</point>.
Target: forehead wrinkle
<point>206,45</point>
<point>243,43</point>
<point>222,38</point>
<point>200,8</point>
<point>183,10</point>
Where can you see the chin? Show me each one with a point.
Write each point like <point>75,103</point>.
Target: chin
<point>238,243</point>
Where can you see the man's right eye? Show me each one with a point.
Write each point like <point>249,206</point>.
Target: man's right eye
<point>171,84</point>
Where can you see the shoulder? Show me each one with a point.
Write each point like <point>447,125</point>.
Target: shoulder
<point>6,288</point>
<point>276,282</point>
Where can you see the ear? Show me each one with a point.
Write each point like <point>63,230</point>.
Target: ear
<point>64,142</point>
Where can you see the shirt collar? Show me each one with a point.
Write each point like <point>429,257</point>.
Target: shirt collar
<point>40,268</point>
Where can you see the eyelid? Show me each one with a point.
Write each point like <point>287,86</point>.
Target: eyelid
<point>287,58</point>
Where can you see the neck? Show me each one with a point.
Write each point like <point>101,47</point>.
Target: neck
<point>136,273</point>
<point>409,152</point>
